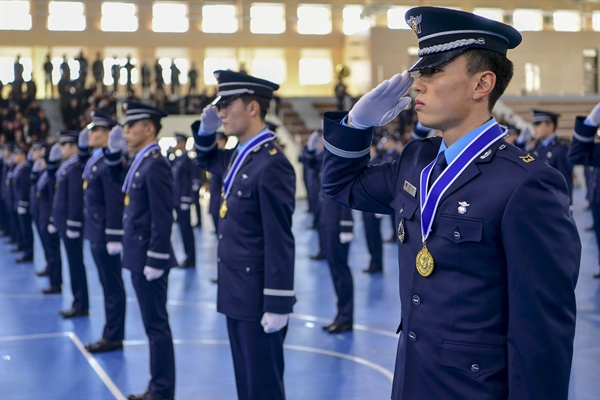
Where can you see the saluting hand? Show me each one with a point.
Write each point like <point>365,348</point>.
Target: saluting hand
<point>83,141</point>
<point>116,141</point>
<point>209,120</point>
<point>38,165</point>
<point>382,104</point>
<point>54,154</point>
<point>593,119</point>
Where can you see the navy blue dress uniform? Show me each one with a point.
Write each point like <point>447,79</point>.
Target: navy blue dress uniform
<point>147,222</point>
<point>103,224</point>
<point>313,164</point>
<point>586,152</point>
<point>489,301</point>
<point>183,175</point>
<point>256,244</point>
<point>372,226</point>
<point>553,151</point>
<point>215,186</point>
<point>22,187</point>
<point>67,218</point>
<point>198,179</point>
<point>45,187</point>
<point>11,207</point>
<point>335,232</point>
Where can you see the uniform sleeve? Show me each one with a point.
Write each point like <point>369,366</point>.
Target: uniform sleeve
<point>583,150</point>
<point>113,200</point>
<point>83,154</point>
<point>23,188</point>
<point>159,182</point>
<point>347,177</point>
<point>543,252</point>
<point>116,169</point>
<point>346,220</point>
<point>186,180</point>
<point>276,194</point>
<point>75,199</point>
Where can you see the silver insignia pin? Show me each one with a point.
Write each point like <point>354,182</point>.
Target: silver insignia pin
<point>462,207</point>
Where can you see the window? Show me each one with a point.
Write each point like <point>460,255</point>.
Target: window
<point>314,19</point>
<point>118,17</point>
<point>66,16</point>
<point>170,17</point>
<point>567,21</point>
<point>218,58</point>
<point>219,19</point>
<point>269,64</point>
<point>395,18</point>
<point>8,56</point>
<point>596,21</point>
<point>118,55</point>
<point>353,20</point>
<point>532,78</point>
<point>495,14</point>
<point>528,20</point>
<point>14,15</point>
<point>316,67</point>
<point>267,18</point>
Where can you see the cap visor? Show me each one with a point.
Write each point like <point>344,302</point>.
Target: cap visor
<point>434,60</point>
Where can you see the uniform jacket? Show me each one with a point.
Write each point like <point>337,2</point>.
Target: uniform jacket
<point>555,155</point>
<point>183,174</point>
<point>148,218</point>
<point>22,185</point>
<point>584,151</point>
<point>256,244</point>
<point>67,208</point>
<point>496,318</point>
<point>45,196</point>
<point>33,199</point>
<point>103,202</point>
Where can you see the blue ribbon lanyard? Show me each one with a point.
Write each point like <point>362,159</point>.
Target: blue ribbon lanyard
<point>41,181</point>
<point>257,141</point>
<point>88,166</point>
<point>429,200</point>
<point>136,164</point>
<point>64,165</point>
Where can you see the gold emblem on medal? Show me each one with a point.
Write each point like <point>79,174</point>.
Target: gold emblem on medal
<point>425,262</point>
<point>126,201</point>
<point>85,185</point>
<point>223,209</point>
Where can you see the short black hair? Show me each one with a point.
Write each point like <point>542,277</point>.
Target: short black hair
<point>263,103</point>
<point>479,60</point>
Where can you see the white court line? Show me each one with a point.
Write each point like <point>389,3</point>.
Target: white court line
<point>110,385</point>
<point>355,326</point>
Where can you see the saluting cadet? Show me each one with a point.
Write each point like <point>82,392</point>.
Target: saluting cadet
<point>147,222</point>
<point>36,169</point>
<point>549,148</point>
<point>256,244</point>
<point>103,227</point>
<point>488,303</point>
<point>215,183</point>
<point>183,174</point>
<point>48,233</point>
<point>584,150</point>
<point>21,192</point>
<point>67,219</point>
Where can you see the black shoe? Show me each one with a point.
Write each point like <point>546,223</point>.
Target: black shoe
<point>43,272</point>
<point>103,345</point>
<point>52,290</point>
<point>24,259</point>
<point>144,396</point>
<point>327,327</point>
<point>187,264</point>
<point>318,256</point>
<point>339,328</point>
<point>597,276</point>
<point>372,270</point>
<point>72,313</point>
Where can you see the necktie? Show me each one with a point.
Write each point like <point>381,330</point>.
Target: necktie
<point>438,168</point>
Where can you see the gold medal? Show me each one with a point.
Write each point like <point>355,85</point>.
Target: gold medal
<point>223,209</point>
<point>126,201</point>
<point>424,261</point>
<point>85,184</point>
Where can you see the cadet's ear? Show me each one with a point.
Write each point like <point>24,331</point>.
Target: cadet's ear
<point>486,81</point>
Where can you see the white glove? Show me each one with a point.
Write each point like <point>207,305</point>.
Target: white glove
<point>526,134</point>
<point>346,237</point>
<point>382,104</point>
<point>72,234</point>
<point>184,206</point>
<point>116,141</point>
<point>54,155</point>
<point>209,120</point>
<point>313,141</point>
<point>593,119</point>
<point>114,248</point>
<point>30,154</point>
<point>153,273</point>
<point>38,165</point>
<point>21,210</point>
<point>83,142</point>
<point>51,229</point>
<point>272,322</point>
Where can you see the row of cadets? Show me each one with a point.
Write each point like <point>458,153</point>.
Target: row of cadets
<point>103,227</point>
<point>21,189</point>
<point>147,224</point>
<point>585,150</point>
<point>12,220</point>
<point>183,175</point>
<point>67,220</point>
<point>256,244</point>
<point>45,169</point>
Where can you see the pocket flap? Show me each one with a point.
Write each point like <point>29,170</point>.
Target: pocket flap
<point>475,360</point>
<point>460,230</point>
<point>405,207</point>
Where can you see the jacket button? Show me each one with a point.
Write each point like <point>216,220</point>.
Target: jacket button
<point>416,300</point>
<point>140,238</point>
<point>239,192</point>
<point>475,368</point>
<point>401,210</point>
<point>412,336</point>
<point>247,269</point>
<point>220,236</point>
<point>456,235</point>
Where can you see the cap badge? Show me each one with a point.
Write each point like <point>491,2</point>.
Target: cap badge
<point>415,24</point>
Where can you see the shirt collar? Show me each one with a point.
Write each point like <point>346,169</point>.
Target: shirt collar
<point>547,141</point>
<point>454,150</point>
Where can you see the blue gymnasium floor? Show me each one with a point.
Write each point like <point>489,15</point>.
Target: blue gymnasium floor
<point>43,355</point>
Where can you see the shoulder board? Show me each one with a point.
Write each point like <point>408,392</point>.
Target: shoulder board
<point>526,160</point>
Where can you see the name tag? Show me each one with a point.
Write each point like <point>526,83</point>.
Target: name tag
<point>410,188</point>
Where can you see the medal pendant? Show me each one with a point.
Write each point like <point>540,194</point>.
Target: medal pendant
<point>223,209</point>
<point>424,261</point>
<point>85,185</point>
<point>126,201</point>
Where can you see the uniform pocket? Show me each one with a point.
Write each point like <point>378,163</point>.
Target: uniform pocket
<point>460,230</point>
<point>475,360</point>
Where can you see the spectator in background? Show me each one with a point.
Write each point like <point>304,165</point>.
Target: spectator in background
<point>48,84</point>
